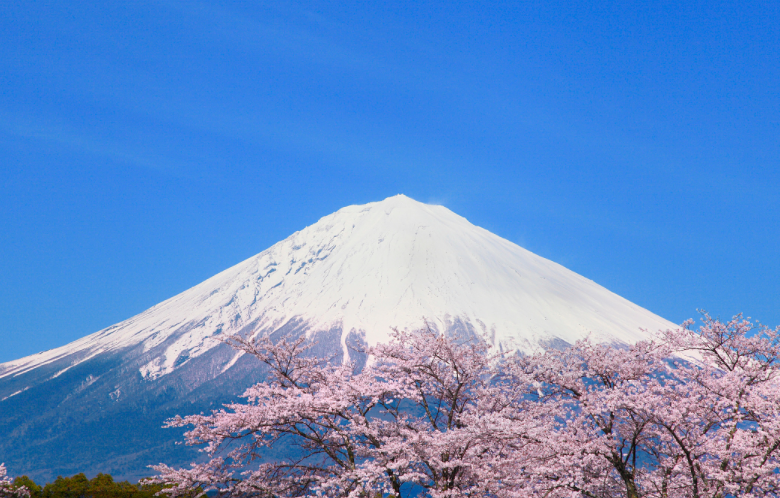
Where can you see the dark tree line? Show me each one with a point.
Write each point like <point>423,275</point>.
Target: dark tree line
<point>78,486</point>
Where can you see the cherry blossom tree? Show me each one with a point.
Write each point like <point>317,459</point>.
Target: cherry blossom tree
<point>402,425</point>
<point>590,417</point>
<point>693,414</point>
<point>7,489</point>
<point>719,430</point>
<point>452,418</point>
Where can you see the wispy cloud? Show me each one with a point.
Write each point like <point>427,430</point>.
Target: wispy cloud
<point>60,134</point>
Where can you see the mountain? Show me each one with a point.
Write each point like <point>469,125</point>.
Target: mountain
<point>97,404</point>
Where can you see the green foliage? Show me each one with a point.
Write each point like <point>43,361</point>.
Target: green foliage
<point>78,486</point>
<point>34,489</point>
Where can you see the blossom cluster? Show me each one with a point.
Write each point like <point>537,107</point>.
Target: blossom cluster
<point>693,414</point>
<point>7,489</point>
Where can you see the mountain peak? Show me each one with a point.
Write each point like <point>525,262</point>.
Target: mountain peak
<point>410,208</point>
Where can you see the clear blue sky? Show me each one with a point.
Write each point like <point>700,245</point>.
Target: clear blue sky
<point>145,146</point>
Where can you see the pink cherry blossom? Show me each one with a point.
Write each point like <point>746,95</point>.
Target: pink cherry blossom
<point>695,413</point>
<point>7,490</point>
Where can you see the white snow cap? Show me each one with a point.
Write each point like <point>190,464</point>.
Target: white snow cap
<point>376,266</point>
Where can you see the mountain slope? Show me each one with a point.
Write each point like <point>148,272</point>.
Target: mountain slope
<point>349,277</point>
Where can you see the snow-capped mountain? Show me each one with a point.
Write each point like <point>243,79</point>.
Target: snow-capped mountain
<point>351,276</point>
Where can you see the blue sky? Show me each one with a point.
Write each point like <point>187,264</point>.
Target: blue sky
<point>145,146</point>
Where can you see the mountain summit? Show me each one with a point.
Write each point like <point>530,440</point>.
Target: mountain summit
<point>350,277</point>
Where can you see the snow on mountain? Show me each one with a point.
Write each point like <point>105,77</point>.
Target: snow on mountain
<point>363,270</point>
